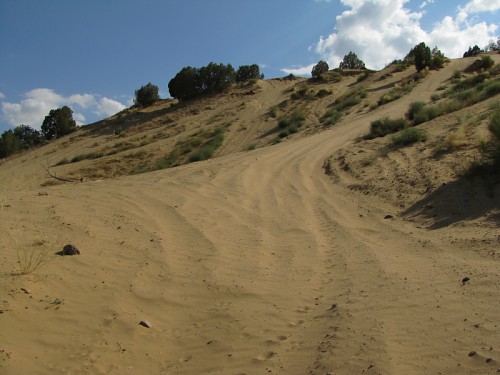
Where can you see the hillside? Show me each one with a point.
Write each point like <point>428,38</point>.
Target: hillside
<point>311,252</point>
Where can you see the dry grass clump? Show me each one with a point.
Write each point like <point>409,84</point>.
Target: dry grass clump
<point>31,258</point>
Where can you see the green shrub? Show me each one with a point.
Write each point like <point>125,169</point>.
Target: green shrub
<point>408,136</point>
<point>395,94</point>
<point>274,111</point>
<point>319,69</point>
<point>146,95</point>
<point>415,108</point>
<point>208,148</point>
<point>384,126</point>
<point>322,93</point>
<point>491,149</point>
<point>332,116</point>
<point>494,126</point>
<point>284,133</point>
<point>248,73</point>
<point>291,124</point>
<point>302,93</point>
<point>487,62</point>
<point>284,122</point>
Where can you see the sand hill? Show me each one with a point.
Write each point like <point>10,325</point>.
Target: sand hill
<point>322,253</point>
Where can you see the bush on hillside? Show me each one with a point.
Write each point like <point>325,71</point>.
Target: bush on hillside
<point>319,69</point>
<point>27,136</point>
<point>384,126</point>
<point>487,62</point>
<point>248,72</point>
<point>59,122</point>
<point>408,136</point>
<point>472,51</point>
<point>351,61</point>
<point>9,144</point>
<point>491,149</point>
<point>146,95</point>
<point>437,59</point>
<point>423,56</point>
<point>192,82</point>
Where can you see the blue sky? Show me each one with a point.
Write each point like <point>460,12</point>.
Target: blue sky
<point>93,54</point>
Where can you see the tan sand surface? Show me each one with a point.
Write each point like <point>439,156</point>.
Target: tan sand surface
<point>251,263</point>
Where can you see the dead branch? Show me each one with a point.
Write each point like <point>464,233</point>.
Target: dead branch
<point>60,178</point>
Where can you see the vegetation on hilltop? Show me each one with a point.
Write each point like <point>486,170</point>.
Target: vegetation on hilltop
<point>146,95</point>
<point>352,61</point>
<point>319,69</point>
<point>305,109</point>
<point>192,82</point>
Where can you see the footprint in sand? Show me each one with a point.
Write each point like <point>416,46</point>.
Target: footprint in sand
<point>276,341</point>
<point>185,359</point>
<point>303,310</point>
<point>264,357</point>
<point>295,324</point>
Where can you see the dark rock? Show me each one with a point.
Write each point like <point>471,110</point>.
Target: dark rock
<point>145,323</point>
<point>472,354</point>
<point>27,291</point>
<point>70,250</point>
<point>488,360</point>
<point>388,217</point>
<point>465,279</point>
<point>333,307</point>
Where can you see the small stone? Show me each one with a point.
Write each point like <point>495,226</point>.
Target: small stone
<point>465,279</point>
<point>145,323</point>
<point>388,217</point>
<point>472,353</point>
<point>333,307</point>
<point>70,250</point>
<point>488,360</point>
<point>26,291</point>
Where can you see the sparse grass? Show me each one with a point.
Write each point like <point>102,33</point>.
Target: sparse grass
<point>62,162</point>
<point>395,94</point>
<point>303,93</point>
<point>136,155</point>
<point>274,112</point>
<point>89,156</point>
<point>350,99</point>
<point>32,257</point>
<point>435,97</point>
<point>491,150</point>
<point>322,93</point>
<point>463,94</point>
<point>292,123</point>
<point>332,116</point>
<point>408,136</point>
<point>208,147</point>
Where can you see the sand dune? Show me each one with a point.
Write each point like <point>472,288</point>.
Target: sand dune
<point>251,263</point>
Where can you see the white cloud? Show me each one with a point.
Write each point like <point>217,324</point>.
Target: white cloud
<point>108,107</point>
<point>299,71</point>
<point>83,100</point>
<point>478,6</point>
<point>379,31</point>
<point>425,3</point>
<point>2,96</point>
<point>37,103</point>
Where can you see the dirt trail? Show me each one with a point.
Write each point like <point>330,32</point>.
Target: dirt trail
<point>247,264</point>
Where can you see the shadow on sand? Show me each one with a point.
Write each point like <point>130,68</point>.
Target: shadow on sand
<point>467,198</point>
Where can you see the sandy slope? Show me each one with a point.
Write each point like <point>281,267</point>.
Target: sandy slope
<point>251,263</point>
